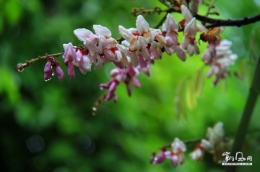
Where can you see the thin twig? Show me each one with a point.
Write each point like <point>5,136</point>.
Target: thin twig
<point>161,22</point>
<point>21,66</point>
<point>210,6</point>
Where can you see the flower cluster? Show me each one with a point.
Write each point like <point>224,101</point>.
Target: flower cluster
<point>219,57</point>
<point>214,143</point>
<point>136,52</point>
<point>50,66</point>
<point>139,48</point>
<point>176,155</point>
<point>121,75</point>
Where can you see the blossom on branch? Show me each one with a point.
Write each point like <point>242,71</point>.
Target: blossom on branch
<point>190,26</point>
<point>69,57</point>
<point>140,47</point>
<point>219,57</point>
<point>214,143</point>
<point>176,155</point>
<point>121,75</point>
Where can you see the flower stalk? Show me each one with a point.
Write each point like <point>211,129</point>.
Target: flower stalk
<point>21,66</point>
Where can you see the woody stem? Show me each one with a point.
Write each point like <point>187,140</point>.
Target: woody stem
<point>247,114</point>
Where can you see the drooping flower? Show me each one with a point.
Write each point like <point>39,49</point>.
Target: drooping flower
<point>198,153</point>
<point>177,154</point>
<point>69,56</point>
<point>219,57</point>
<point>83,61</point>
<point>59,71</point>
<point>47,70</point>
<point>126,76</point>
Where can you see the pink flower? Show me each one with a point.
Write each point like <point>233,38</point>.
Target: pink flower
<point>59,72</point>
<point>121,75</point>
<point>47,70</point>
<point>69,57</point>
<point>159,158</point>
<point>83,61</point>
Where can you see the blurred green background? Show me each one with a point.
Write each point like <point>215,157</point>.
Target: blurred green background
<point>48,126</point>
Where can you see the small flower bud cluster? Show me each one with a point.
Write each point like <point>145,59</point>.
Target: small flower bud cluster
<point>214,143</point>
<point>50,66</point>
<point>176,155</point>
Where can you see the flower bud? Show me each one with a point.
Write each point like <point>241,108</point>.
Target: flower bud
<point>47,71</point>
<point>59,72</point>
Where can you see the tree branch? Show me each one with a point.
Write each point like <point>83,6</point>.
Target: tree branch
<point>246,116</point>
<point>228,22</point>
<point>221,22</point>
<point>161,22</point>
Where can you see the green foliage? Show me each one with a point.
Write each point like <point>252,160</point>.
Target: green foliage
<point>121,136</point>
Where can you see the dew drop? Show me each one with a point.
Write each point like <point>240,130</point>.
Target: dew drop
<point>47,79</point>
<point>20,69</point>
<point>53,74</point>
<point>94,110</point>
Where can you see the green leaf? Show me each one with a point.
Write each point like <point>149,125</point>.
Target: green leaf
<point>199,79</point>
<point>178,101</point>
<point>190,96</point>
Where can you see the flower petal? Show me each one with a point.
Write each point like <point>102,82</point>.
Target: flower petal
<point>82,34</point>
<point>102,31</point>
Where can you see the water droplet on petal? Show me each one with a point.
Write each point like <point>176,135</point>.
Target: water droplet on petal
<point>20,69</point>
<point>47,79</point>
<point>53,74</point>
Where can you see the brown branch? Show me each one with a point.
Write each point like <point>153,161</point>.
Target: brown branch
<point>221,22</point>
<point>230,22</point>
<point>161,22</point>
<point>21,66</point>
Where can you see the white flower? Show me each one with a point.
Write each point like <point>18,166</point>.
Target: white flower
<point>197,154</point>
<point>189,40</point>
<point>143,28</point>
<point>186,13</point>
<point>188,17</point>
<point>220,57</point>
<point>215,134</point>
<point>84,34</point>
<point>178,146</point>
